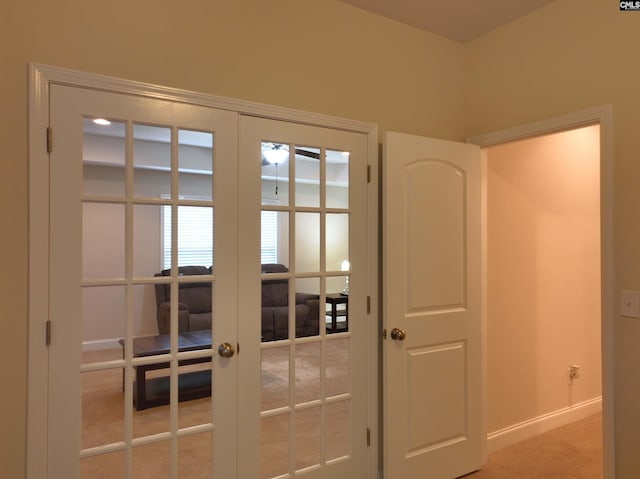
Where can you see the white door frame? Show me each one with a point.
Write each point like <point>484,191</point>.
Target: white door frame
<point>40,77</point>
<point>602,115</point>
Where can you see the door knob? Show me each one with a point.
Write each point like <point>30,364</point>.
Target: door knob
<point>398,334</point>
<point>226,350</point>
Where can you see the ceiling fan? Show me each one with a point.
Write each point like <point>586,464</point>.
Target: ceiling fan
<point>276,153</point>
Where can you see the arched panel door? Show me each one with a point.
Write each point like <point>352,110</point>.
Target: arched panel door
<point>434,345</point>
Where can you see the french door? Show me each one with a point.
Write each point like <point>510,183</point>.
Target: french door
<point>190,282</point>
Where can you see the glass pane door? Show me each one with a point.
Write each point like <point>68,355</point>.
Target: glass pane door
<point>310,317</point>
<point>143,288</point>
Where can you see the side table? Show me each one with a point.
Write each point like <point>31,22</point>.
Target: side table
<point>335,299</point>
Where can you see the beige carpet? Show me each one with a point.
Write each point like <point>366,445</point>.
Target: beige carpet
<point>103,417</point>
<point>573,451</point>
<point>570,452</point>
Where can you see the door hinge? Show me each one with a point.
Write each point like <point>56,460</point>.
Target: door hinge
<point>368,304</point>
<point>368,173</point>
<point>47,332</point>
<point>368,437</point>
<point>49,139</point>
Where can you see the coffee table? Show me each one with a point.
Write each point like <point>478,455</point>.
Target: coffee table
<point>155,391</point>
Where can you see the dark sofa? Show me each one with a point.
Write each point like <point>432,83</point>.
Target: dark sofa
<point>194,305</point>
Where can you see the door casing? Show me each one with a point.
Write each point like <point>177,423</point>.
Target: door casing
<point>40,78</point>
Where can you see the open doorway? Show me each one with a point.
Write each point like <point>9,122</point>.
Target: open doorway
<point>543,284</point>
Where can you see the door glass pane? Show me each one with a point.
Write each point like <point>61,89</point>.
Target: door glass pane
<point>195,456</point>
<point>105,466</point>
<point>275,378</point>
<point>195,160</point>
<point>151,161</point>
<point>307,242</point>
<point>275,173</point>
<point>148,221</point>
<point>337,179</point>
<point>307,307</point>
<point>337,242</point>
<point>103,152</point>
<point>195,236</point>
<point>307,372</point>
<point>308,437</point>
<point>274,445</point>
<point>307,176</point>
<point>337,366</point>
<point>102,407</point>
<point>337,438</point>
<point>336,311</point>
<point>274,239</point>
<point>152,460</point>
<point>103,240</point>
<point>103,322</point>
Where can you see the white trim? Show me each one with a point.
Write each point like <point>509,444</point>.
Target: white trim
<point>66,76</point>
<point>602,115</point>
<point>38,359</point>
<point>541,424</point>
<point>40,78</point>
<point>374,223</point>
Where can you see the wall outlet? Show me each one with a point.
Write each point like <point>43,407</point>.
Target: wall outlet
<point>630,304</point>
<point>574,372</point>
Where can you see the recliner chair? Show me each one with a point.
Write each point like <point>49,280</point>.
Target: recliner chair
<point>194,301</point>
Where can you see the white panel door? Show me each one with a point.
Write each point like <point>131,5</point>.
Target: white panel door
<point>433,350</point>
<point>120,197</point>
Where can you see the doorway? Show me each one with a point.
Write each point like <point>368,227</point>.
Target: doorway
<point>153,318</point>
<point>543,280</point>
<point>575,406</point>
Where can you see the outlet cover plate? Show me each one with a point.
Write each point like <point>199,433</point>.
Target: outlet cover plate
<point>630,304</point>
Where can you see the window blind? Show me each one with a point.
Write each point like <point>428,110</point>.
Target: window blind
<point>196,236</point>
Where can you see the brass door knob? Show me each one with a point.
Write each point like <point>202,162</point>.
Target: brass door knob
<point>398,334</point>
<point>226,350</point>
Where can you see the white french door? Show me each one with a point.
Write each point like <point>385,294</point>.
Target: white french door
<point>312,402</point>
<point>247,370</point>
<point>110,185</point>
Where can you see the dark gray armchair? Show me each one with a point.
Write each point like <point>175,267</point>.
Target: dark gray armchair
<point>194,301</point>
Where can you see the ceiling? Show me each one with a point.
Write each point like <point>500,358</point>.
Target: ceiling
<point>459,20</point>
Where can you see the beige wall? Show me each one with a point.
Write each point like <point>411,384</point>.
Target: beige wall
<point>543,263</point>
<point>567,56</point>
<point>321,56</point>
<point>327,57</point>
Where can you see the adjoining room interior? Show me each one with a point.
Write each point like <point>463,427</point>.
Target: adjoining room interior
<point>543,285</point>
<point>321,365</point>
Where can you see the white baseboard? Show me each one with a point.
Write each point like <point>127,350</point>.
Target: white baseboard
<point>538,425</point>
<point>100,344</point>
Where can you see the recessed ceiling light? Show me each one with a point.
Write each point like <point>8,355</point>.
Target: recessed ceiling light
<point>101,121</point>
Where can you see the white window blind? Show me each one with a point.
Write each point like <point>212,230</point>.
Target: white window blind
<point>196,236</point>
<point>269,237</point>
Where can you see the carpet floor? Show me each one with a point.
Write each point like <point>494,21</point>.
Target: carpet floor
<point>103,415</point>
<point>573,451</point>
<point>570,452</point>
